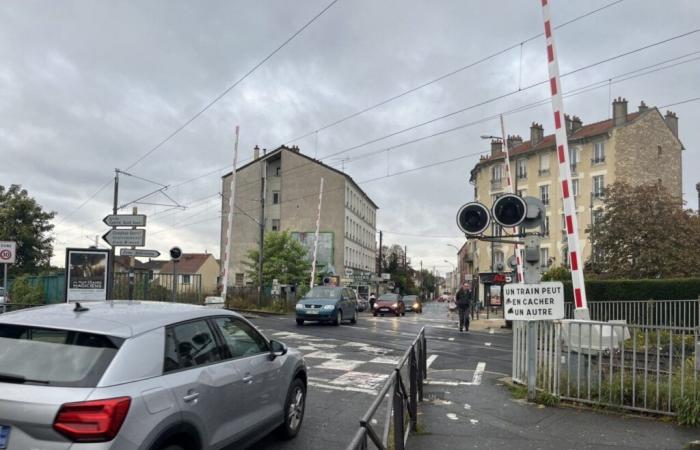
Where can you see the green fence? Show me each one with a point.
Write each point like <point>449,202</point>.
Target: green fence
<point>159,287</point>
<point>52,285</point>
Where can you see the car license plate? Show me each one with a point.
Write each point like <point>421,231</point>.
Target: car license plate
<point>384,309</point>
<point>312,312</point>
<point>4,436</point>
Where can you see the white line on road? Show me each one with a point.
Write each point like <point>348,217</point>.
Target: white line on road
<point>431,360</point>
<point>341,388</point>
<point>451,339</point>
<point>478,374</point>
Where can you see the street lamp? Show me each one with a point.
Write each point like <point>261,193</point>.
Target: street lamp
<point>484,136</point>
<point>454,247</point>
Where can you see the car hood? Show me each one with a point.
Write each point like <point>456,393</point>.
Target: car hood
<point>386,302</point>
<point>318,301</point>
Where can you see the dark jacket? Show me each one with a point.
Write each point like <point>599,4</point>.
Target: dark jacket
<point>464,298</point>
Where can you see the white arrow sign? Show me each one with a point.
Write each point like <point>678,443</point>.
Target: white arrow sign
<point>125,238</point>
<point>125,220</point>
<point>8,252</point>
<point>139,252</point>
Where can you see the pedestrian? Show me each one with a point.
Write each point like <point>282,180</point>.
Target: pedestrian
<point>464,302</point>
<point>372,301</point>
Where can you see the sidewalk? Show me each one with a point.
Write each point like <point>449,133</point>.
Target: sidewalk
<point>486,416</point>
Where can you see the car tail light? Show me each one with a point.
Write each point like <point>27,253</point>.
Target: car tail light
<point>92,421</point>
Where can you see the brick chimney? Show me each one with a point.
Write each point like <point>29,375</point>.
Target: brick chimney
<point>514,141</point>
<point>496,147</point>
<point>643,107</point>
<point>697,186</point>
<point>672,121</point>
<point>536,133</point>
<point>576,124</point>
<point>256,152</point>
<point>568,124</point>
<point>619,111</point>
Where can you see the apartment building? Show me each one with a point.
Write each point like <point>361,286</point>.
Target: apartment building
<point>291,183</point>
<point>636,148</point>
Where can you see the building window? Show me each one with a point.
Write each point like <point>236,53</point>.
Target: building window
<point>275,225</point>
<point>575,187</point>
<point>498,259</point>
<point>496,229</point>
<point>597,215</point>
<point>598,153</point>
<point>278,171</point>
<point>544,258</point>
<point>574,157</point>
<point>522,168</point>
<point>544,164</point>
<point>186,279</point>
<point>598,186</point>
<point>239,279</point>
<point>522,192</point>
<point>544,194</point>
<point>276,198</point>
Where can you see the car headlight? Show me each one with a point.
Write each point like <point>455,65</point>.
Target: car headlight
<point>395,305</point>
<point>328,307</point>
<point>300,306</point>
<point>416,305</point>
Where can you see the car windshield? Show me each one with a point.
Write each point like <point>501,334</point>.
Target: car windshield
<point>323,292</point>
<point>411,298</point>
<point>58,357</point>
<point>389,297</point>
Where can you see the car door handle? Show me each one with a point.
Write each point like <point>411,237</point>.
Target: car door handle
<point>191,397</point>
<point>248,379</point>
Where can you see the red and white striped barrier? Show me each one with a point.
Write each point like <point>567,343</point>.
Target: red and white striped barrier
<point>564,169</point>
<point>229,221</point>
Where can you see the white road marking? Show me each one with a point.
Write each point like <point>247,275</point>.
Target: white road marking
<point>473,421</point>
<point>442,383</point>
<point>491,331</point>
<point>341,388</point>
<point>488,344</point>
<point>385,360</point>
<point>467,406</point>
<point>362,380</point>
<point>354,344</point>
<point>478,374</point>
<point>337,364</point>
<point>431,360</point>
<point>452,416</point>
<point>323,355</point>
<point>451,339</point>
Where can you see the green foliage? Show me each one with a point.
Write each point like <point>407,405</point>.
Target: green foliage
<point>547,399</point>
<point>518,391</point>
<point>24,293</point>
<point>689,411</point>
<point>557,274</point>
<point>644,233</point>
<point>284,260</point>
<point>666,289</point>
<point>24,221</point>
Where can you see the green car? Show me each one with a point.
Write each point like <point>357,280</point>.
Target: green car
<point>327,304</point>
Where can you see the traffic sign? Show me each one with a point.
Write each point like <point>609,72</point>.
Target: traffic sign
<point>175,253</point>
<point>139,252</point>
<point>125,238</point>
<point>8,252</point>
<point>543,301</point>
<point>348,272</point>
<point>125,220</point>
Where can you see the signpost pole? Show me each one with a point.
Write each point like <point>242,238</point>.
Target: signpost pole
<point>131,264</point>
<point>174,281</point>
<point>110,275</point>
<point>4,282</point>
<point>531,360</point>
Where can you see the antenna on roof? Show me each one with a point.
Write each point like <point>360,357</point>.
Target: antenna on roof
<point>79,308</point>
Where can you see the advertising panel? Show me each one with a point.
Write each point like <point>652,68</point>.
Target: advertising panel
<point>86,274</point>
<point>324,254</point>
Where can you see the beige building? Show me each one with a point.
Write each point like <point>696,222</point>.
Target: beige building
<point>636,148</point>
<point>190,268</point>
<point>291,193</point>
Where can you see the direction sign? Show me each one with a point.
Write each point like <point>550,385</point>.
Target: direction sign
<point>125,238</point>
<point>348,272</point>
<point>125,220</point>
<point>8,252</point>
<point>544,301</point>
<point>139,252</point>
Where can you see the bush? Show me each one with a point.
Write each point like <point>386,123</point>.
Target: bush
<point>662,289</point>
<point>24,293</point>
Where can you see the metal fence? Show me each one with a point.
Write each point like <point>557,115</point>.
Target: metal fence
<point>650,368</point>
<point>673,313</point>
<point>247,298</point>
<point>159,287</point>
<point>398,400</point>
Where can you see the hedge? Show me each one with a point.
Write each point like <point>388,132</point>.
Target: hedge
<point>665,289</point>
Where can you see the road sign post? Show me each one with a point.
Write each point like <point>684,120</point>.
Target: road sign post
<point>8,255</point>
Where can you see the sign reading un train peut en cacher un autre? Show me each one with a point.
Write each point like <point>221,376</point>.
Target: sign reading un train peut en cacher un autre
<point>543,301</point>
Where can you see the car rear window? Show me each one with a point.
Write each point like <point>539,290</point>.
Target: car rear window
<point>54,357</point>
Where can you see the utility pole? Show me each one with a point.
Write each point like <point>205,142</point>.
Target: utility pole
<point>132,262</point>
<point>405,258</point>
<point>110,274</point>
<point>380,252</point>
<point>261,248</point>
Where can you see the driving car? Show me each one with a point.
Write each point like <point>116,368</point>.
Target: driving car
<point>362,304</point>
<point>389,304</point>
<point>413,303</point>
<point>327,304</point>
<point>133,375</point>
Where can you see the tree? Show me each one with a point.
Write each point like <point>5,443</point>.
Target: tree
<point>284,260</point>
<point>644,232</point>
<point>24,293</point>
<point>24,221</point>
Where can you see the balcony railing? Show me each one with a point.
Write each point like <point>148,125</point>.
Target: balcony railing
<point>600,160</point>
<point>543,172</point>
<point>522,175</point>
<point>495,184</point>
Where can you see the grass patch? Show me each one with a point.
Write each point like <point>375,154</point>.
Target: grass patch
<point>547,399</point>
<point>518,391</point>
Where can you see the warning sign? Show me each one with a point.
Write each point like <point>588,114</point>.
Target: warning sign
<point>544,301</point>
<point>8,252</point>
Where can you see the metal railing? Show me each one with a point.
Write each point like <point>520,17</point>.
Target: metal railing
<point>9,307</point>
<point>677,313</point>
<point>639,367</point>
<point>399,398</point>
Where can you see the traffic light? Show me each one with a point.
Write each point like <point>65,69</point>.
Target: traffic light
<point>509,210</point>
<point>473,218</point>
<point>175,253</point>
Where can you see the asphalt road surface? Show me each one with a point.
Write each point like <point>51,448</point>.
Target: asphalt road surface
<point>348,364</point>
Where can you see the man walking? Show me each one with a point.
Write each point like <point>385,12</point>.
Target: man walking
<point>464,301</point>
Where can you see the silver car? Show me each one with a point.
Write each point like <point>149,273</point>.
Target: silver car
<point>143,375</point>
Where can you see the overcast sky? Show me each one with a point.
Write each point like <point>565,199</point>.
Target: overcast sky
<point>90,86</point>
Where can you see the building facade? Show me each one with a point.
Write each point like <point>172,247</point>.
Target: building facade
<point>635,148</point>
<point>291,183</point>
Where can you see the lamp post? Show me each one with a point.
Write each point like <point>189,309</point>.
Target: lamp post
<point>452,279</point>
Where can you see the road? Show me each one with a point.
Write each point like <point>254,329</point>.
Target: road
<point>349,363</point>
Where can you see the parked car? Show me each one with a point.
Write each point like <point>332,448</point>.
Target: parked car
<point>2,295</point>
<point>389,304</point>
<point>143,376</point>
<point>413,303</point>
<point>327,304</point>
<point>362,304</point>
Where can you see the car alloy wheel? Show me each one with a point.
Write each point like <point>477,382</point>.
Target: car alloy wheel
<point>294,410</point>
<point>354,318</point>
<point>338,318</point>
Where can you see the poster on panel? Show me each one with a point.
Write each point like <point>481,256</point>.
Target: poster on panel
<point>86,274</point>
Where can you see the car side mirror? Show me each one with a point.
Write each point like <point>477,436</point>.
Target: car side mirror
<point>277,349</point>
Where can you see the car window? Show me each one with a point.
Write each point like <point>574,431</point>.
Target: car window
<point>190,344</point>
<point>241,338</point>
